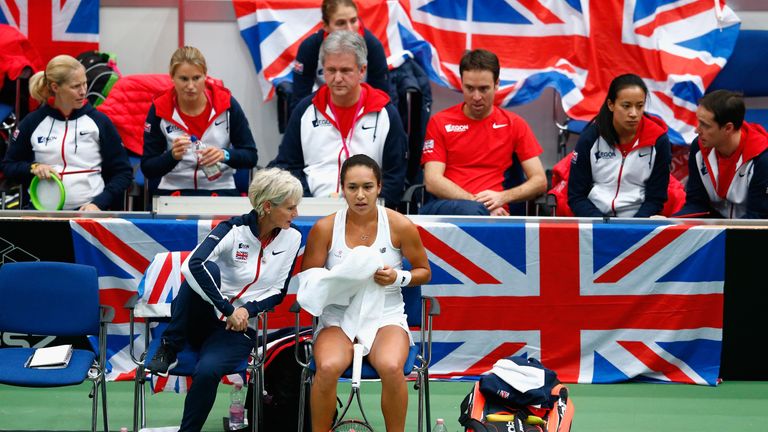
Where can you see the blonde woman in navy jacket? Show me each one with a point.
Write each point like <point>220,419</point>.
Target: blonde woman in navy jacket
<point>195,106</point>
<point>67,138</point>
<point>240,269</point>
<point>620,166</point>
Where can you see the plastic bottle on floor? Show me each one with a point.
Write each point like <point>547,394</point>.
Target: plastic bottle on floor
<point>440,426</point>
<point>236,408</point>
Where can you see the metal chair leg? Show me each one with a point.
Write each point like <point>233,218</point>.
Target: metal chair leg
<point>139,421</point>
<point>305,384</point>
<point>425,389</point>
<point>104,402</point>
<point>94,405</point>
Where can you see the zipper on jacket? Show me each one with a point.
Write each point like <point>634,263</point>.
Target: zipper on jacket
<point>63,144</point>
<point>245,288</point>
<point>618,184</point>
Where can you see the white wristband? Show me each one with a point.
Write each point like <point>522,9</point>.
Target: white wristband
<point>403,278</point>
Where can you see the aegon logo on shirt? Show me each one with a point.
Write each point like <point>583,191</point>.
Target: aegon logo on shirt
<point>42,139</point>
<point>320,122</point>
<point>172,128</point>
<point>605,154</point>
<point>456,128</point>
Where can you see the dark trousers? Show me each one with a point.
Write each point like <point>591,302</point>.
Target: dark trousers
<point>465,208</point>
<point>194,322</point>
<point>453,207</point>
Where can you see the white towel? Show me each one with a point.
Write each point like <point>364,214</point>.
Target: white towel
<point>522,378</point>
<point>349,284</point>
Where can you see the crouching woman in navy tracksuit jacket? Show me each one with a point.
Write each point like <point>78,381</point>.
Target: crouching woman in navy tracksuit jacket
<point>241,268</point>
<point>621,163</point>
<point>68,139</point>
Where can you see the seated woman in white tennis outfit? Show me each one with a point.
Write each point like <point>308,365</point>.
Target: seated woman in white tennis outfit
<point>394,236</point>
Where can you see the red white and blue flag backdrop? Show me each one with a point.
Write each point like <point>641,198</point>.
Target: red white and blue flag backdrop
<point>55,27</point>
<point>598,303</point>
<point>573,46</point>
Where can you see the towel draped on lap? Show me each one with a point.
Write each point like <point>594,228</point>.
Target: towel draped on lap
<point>349,284</point>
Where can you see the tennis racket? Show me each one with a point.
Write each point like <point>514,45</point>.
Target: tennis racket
<point>354,425</point>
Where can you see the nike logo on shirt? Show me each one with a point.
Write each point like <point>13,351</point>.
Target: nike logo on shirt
<point>498,126</point>
<point>364,127</point>
<point>644,155</point>
<point>218,122</point>
<point>277,252</point>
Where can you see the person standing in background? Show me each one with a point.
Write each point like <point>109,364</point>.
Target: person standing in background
<point>307,70</point>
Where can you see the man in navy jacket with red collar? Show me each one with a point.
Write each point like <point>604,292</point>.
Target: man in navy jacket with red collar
<point>728,162</point>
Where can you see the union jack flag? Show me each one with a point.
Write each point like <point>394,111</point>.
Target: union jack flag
<point>573,46</point>
<point>596,303</point>
<point>55,26</point>
<point>274,29</point>
<point>121,251</point>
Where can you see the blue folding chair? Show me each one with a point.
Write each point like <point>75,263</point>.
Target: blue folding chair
<point>65,301</point>
<point>156,309</point>
<point>420,311</point>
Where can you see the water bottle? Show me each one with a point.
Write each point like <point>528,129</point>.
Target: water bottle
<point>212,172</point>
<point>237,408</point>
<point>440,426</point>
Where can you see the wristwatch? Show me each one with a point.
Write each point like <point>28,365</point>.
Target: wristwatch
<point>33,166</point>
<point>226,155</point>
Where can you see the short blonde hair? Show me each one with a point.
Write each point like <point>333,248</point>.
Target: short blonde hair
<point>274,185</point>
<point>187,54</point>
<point>59,70</point>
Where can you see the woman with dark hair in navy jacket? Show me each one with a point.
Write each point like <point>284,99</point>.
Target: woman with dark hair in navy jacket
<point>620,166</point>
<point>337,15</point>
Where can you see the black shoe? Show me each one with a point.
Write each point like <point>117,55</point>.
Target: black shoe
<point>163,361</point>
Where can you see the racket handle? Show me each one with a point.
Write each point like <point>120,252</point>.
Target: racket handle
<point>357,364</point>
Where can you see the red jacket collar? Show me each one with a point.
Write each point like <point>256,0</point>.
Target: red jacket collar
<point>754,140</point>
<point>221,97</point>
<point>651,128</point>
<point>375,99</point>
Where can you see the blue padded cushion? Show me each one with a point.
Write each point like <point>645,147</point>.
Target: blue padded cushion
<point>13,371</point>
<point>138,174</point>
<point>5,111</point>
<point>368,372</point>
<point>64,297</point>
<point>187,357</point>
<point>576,126</point>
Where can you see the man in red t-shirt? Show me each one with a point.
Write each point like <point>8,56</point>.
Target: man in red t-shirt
<point>470,149</point>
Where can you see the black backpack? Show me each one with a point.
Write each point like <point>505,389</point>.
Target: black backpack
<point>282,382</point>
<point>101,73</point>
